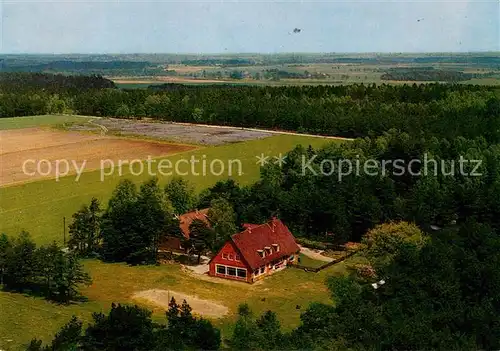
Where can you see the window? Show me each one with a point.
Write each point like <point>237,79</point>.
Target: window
<point>231,257</point>
<point>268,250</point>
<point>221,269</point>
<point>224,256</point>
<point>237,257</point>
<point>261,253</point>
<point>276,247</point>
<point>262,269</point>
<point>231,271</point>
<point>242,273</point>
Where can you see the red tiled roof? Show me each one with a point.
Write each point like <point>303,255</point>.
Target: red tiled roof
<point>257,237</point>
<point>187,218</point>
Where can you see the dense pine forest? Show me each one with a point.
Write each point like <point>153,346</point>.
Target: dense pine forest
<point>433,110</point>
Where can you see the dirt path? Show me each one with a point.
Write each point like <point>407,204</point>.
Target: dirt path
<point>315,254</point>
<point>202,307</point>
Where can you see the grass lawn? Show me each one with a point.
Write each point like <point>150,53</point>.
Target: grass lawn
<point>25,317</point>
<point>39,121</point>
<point>310,262</point>
<point>39,207</point>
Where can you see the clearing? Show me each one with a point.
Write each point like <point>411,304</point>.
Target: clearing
<point>183,133</point>
<point>20,145</point>
<point>288,293</point>
<point>161,298</point>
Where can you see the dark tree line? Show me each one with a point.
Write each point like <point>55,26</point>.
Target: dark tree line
<point>131,328</point>
<point>439,295</point>
<point>52,83</point>
<point>45,270</point>
<point>136,221</point>
<point>352,111</point>
<point>326,204</point>
<point>430,75</point>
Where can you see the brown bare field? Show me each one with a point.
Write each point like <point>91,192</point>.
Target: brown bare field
<point>161,298</point>
<point>19,145</point>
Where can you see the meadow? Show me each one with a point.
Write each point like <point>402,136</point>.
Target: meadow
<point>41,121</point>
<point>288,293</point>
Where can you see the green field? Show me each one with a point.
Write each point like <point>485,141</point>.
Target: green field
<point>309,262</point>
<point>40,121</point>
<point>25,317</point>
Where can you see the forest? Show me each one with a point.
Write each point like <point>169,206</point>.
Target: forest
<point>433,110</point>
<point>430,75</point>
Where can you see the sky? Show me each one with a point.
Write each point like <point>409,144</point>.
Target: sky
<point>162,26</point>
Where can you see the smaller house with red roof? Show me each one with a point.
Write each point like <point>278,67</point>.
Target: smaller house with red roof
<point>172,243</point>
<point>256,252</point>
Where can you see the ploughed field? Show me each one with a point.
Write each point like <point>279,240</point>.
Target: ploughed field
<point>33,153</point>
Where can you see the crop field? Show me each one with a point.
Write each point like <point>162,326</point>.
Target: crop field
<point>39,207</point>
<point>76,149</point>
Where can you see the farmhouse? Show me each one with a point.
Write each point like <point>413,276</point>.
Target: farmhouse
<point>256,252</point>
<point>172,243</point>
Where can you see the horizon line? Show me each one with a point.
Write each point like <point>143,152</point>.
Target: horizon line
<point>258,53</point>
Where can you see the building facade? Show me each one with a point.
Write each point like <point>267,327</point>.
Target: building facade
<point>256,252</point>
<point>174,243</point>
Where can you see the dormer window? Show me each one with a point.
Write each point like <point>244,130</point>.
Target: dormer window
<point>268,250</point>
<point>261,253</point>
<point>276,248</point>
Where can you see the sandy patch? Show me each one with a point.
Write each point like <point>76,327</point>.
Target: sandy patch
<point>20,145</point>
<point>206,308</point>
